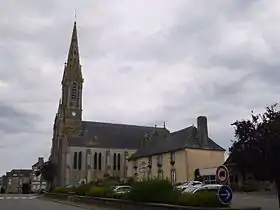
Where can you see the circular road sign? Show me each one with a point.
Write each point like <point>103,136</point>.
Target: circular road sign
<point>222,174</point>
<point>225,194</point>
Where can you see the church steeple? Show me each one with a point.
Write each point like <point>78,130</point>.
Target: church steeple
<point>73,67</point>
<point>73,55</point>
<point>72,81</point>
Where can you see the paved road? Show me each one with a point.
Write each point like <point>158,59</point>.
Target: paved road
<point>265,201</point>
<point>30,202</point>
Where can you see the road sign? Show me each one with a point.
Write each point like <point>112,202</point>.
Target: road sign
<point>225,194</point>
<point>222,174</point>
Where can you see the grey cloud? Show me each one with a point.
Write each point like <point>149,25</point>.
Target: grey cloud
<point>15,121</point>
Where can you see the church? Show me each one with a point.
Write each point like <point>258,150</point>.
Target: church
<point>87,150</point>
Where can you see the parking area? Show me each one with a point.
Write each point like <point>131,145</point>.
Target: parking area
<point>265,201</point>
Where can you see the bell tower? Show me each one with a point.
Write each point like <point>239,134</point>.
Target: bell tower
<point>72,84</point>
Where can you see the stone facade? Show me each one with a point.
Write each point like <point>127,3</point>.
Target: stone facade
<point>15,180</point>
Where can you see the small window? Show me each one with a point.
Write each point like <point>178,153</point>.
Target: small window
<point>119,162</point>
<point>80,161</point>
<point>115,162</point>
<point>75,160</point>
<point>95,161</point>
<point>99,161</point>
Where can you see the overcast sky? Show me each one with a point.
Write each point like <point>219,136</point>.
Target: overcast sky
<point>144,62</point>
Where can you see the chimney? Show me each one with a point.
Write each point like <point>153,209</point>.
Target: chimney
<point>202,130</point>
<point>41,161</point>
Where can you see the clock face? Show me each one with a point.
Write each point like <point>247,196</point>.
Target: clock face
<point>73,114</point>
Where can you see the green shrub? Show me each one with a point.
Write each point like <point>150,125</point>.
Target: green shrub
<point>82,189</point>
<point>202,199</point>
<point>97,192</point>
<point>162,191</point>
<point>60,190</point>
<point>153,190</point>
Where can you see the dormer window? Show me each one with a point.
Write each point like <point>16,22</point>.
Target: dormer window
<point>159,161</point>
<point>172,158</point>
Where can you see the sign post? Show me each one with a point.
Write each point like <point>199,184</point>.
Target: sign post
<point>222,175</point>
<point>225,195</point>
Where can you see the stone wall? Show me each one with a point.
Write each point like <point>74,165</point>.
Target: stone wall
<point>130,205</point>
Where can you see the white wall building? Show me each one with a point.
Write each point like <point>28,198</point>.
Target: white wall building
<point>37,182</point>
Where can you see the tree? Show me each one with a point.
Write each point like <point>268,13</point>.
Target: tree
<point>257,149</point>
<point>47,171</point>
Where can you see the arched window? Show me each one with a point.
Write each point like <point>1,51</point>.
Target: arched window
<point>119,162</point>
<point>115,162</point>
<point>80,161</point>
<point>95,161</point>
<point>99,161</point>
<point>75,160</point>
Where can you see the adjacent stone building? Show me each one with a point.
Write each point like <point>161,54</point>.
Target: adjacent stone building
<point>37,182</point>
<point>176,155</point>
<point>15,180</point>
<point>86,150</point>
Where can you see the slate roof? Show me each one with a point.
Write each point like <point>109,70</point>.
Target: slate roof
<point>24,172</point>
<point>36,164</point>
<point>111,135</point>
<point>185,138</point>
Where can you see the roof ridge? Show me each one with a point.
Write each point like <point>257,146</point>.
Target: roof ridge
<point>122,124</point>
<point>183,129</point>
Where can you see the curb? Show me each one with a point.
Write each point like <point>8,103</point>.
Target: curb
<point>66,203</point>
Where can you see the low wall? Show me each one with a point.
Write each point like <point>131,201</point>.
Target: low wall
<point>130,205</point>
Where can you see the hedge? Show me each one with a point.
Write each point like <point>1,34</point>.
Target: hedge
<point>153,191</point>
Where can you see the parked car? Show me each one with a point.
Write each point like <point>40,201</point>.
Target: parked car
<point>121,189</point>
<point>205,188</point>
<point>188,184</point>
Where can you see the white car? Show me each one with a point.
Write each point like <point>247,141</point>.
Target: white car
<point>206,188</point>
<point>121,189</point>
<point>188,184</point>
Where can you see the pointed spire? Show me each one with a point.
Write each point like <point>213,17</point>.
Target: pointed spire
<point>72,66</point>
<point>73,55</point>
